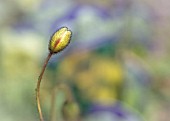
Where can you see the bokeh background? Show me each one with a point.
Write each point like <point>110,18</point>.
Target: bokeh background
<point>116,67</point>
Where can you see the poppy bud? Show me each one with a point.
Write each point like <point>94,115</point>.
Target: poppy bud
<point>60,40</point>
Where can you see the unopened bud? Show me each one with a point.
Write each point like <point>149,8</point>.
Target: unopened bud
<point>60,40</point>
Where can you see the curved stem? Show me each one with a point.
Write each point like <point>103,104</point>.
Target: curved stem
<point>38,87</point>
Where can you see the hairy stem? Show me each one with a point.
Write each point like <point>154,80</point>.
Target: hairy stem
<point>38,87</point>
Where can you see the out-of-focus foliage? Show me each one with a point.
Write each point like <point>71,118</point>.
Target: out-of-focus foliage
<point>116,67</point>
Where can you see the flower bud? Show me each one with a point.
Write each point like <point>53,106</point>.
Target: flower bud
<point>60,40</point>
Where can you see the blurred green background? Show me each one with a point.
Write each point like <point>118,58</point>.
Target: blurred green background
<point>116,67</point>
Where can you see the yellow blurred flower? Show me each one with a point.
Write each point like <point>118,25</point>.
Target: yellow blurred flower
<point>108,70</point>
<point>102,94</point>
